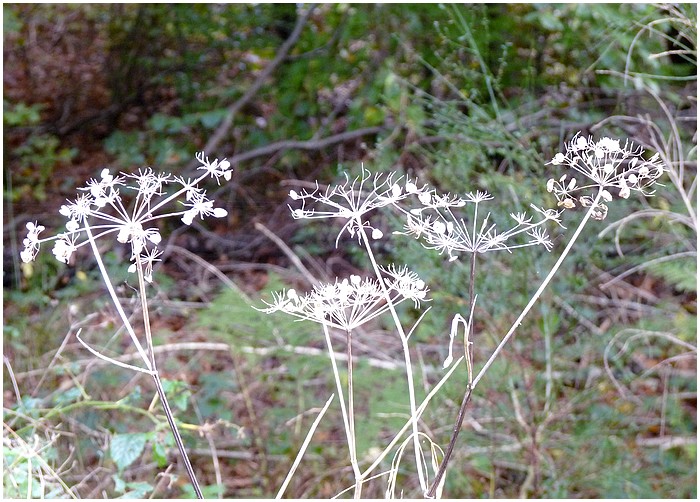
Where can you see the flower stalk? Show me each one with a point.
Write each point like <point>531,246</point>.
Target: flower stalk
<point>606,165</point>
<point>101,200</point>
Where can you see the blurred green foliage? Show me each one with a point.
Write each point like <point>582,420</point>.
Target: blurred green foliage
<point>470,97</point>
<point>38,155</point>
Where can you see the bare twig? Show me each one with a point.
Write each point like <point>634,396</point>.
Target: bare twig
<point>208,266</point>
<point>667,442</point>
<point>225,347</point>
<point>311,144</point>
<point>288,252</point>
<point>284,49</point>
<point>647,264</point>
<point>304,445</point>
<point>578,316</point>
<point>612,353</point>
<point>8,365</point>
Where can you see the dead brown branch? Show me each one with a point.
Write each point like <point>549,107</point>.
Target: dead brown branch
<point>281,54</point>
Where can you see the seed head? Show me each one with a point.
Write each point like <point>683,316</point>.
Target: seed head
<point>349,303</point>
<point>100,210</point>
<point>438,224</point>
<point>352,200</point>
<point>603,165</point>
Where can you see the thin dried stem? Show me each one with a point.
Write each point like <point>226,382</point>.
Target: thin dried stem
<point>302,450</point>
<point>539,291</point>
<point>343,407</point>
<point>407,357</point>
<point>159,384</point>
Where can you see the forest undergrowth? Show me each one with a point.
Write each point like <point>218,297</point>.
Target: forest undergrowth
<point>500,300</point>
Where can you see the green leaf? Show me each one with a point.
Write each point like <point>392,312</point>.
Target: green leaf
<point>72,395</point>
<point>209,492</point>
<point>415,118</point>
<point>158,122</point>
<point>137,490</point>
<point>11,23</point>
<point>159,454</point>
<point>21,114</point>
<point>177,392</point>
<point>126,146</point>
<point>681,273</point>
<point>212,119</point>
<point>119,483</point>
<point>392,92</point>
<point>126,448</point>
<point>373,116</point>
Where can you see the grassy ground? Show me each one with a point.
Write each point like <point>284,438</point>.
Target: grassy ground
<point>596,397</point>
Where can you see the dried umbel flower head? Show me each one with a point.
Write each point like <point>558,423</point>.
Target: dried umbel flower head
<point>352,200</point>
<point>349,303</point>
<point>605,166</point>
<point>99,210</point>
<point>438,224</point>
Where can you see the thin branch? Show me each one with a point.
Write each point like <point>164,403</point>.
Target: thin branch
<point>304,445</point>
<point>311,144</point>
<point>646,264</point>
<point>109,360</point>
<point>667,442</point>
<point>56,356</point>
<point>208,266</point>
<point>287,251</point>
<point>284,49</point>
<point>225,347</point>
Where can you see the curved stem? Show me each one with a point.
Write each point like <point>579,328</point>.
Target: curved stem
<point>468,355</point>
<point>539,291</point>
<point>115,299</point>
<point>406,354</point>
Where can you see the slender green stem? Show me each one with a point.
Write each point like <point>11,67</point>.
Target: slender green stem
<point>406,354</point>
<point>48,414</point>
